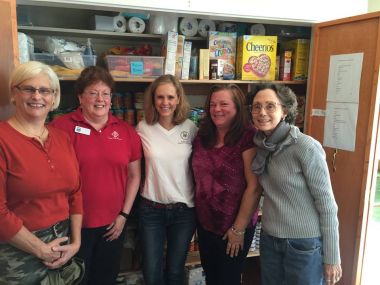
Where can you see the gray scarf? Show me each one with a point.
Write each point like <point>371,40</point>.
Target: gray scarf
<point>267,145</point>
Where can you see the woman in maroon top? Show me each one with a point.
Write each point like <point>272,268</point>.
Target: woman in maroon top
<point>227,191</point>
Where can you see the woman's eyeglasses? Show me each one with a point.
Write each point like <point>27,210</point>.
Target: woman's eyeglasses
<point>30,90</point>
<point>270,107</point>
<point>95,94</point>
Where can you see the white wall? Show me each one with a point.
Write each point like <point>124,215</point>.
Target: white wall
<point>291,11</point>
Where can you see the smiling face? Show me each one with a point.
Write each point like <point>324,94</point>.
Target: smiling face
<point>33,106</point>
<point>222,109</point>
<point>267,120</point>
<point>96,101</point>
<point>165,101</point>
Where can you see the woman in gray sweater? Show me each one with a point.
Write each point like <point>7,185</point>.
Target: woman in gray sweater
<point>300,238</point>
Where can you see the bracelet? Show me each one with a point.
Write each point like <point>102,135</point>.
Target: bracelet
<point>125,215</point>
<point>237,232</point>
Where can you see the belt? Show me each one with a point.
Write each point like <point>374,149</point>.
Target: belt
<point>54,229</point>
<point>157,205</point>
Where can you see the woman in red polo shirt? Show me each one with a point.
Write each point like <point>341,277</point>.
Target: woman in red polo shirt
<point>109,152</point>
<point>40,198</point>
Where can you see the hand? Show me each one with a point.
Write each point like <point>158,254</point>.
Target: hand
<point>235,243</point>
<point>333,273</point>
<point>47,254</point>
<point>114,230</point>
<point>66,252</point>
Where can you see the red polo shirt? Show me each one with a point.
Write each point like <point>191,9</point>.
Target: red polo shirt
<point>103,162</point>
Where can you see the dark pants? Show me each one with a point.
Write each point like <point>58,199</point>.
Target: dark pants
<point>101,257</point>
<point>175,227</point>
<point>220,268</point>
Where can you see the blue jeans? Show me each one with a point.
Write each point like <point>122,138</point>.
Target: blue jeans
<point>286,261</point>
<point>175,226</point>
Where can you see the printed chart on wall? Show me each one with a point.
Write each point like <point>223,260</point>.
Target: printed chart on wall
<point>343,101</point>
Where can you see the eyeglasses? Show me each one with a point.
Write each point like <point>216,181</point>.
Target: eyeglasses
<point>94,94</point>
<point>30,90</point>
<point>270,107</point>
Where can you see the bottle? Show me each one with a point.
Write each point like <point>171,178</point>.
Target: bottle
<point>89,49</point>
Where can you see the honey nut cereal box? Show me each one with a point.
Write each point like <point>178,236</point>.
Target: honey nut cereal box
<point>256,57</point>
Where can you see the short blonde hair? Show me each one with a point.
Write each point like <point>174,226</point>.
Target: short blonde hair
<point>183,107</point>
<point>30,69</point>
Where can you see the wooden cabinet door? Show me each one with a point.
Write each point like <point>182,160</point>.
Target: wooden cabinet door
<point>8,52</point>
<point>352,181</point>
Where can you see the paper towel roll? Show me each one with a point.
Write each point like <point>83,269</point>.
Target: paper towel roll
<point>136,25</point>
<point>205,26</point>
<point>227,27</point>
<point>188,27</point>
<point>257,29</point>
<point>119,24</point>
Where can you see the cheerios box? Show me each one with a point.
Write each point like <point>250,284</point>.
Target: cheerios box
<point>256,57</point>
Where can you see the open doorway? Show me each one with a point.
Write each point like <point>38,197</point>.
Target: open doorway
<point>370,275</point>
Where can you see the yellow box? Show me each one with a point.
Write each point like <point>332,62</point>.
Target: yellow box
<point>300,58</point>
<point>256,59</point>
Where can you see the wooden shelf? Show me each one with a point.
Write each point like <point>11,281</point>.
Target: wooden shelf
<point>92,33</point>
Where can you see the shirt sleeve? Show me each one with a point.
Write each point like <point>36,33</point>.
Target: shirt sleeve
<point>247,140</point>
<point>10,224</point>
<point>317,176</point>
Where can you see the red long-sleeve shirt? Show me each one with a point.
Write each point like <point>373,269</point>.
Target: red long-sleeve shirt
<point>39,185</point>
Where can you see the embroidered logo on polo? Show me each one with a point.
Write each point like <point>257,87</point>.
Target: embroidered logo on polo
<point>115,136</point>
<point>185,138</point>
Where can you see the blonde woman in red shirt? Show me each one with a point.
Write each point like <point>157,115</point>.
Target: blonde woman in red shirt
<point>40,197</point>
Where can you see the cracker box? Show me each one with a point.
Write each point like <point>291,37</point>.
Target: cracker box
<point>169,51</point>
<point>300,58</point>
<point>256,57</point>
<point>223,46</point>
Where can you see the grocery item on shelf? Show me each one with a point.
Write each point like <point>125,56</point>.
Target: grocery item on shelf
<point>135,25</point>
<point>169,51</point>
<point>256,57</point>
<point>162,23</point>
<point>135,66</point>
<point>188,27</point>
<point>300,54</point>
<point>222,46</point>
<point>205,26</point>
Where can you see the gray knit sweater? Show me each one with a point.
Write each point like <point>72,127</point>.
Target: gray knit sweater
<point>298,197</point>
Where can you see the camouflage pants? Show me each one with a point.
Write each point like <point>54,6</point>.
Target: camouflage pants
<point>18,267</point>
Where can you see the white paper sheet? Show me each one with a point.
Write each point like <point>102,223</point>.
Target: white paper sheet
<point>343,101</point>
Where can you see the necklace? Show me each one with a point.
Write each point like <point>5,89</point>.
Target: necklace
<point>39,137</point>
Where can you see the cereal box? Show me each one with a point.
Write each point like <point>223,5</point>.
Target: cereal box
<point>169,51</point>
<point>300,58</point>
<point>223,46</point>
<point>256,57</point>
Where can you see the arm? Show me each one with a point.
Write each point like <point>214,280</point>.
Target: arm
<point>249,203</point>
<point>133,184</point>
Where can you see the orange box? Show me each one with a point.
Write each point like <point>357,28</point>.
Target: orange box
<point>256,57</point>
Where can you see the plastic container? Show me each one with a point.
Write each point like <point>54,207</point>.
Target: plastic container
<point>65,64</point>
<point>135,66</point>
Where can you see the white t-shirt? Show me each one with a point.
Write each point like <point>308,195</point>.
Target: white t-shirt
<point>168,177</point>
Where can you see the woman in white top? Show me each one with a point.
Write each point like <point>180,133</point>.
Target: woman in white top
<point>166,212</point>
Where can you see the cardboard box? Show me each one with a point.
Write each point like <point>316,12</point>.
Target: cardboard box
<point>256,57</point>
<point>179,56</point>
<point>204,61</point>
<point>222,46</point>
<point>300,58</point>
<point>285,66</point>
<point>169,51</point>
<point>186,60</point>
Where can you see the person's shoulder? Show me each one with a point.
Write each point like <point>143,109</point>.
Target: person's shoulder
<point>189,124</point>
<point>58,133</point>
<point>63,121</point>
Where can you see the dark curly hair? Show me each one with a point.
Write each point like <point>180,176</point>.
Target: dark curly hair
<point>286,96</point>
<point>91,75</point>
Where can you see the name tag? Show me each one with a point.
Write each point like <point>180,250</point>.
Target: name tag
<point>81,130</point>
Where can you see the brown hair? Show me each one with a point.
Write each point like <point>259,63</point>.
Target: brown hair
<point>240,123</point>
<point>182,110</point>
<point>91,75</point>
